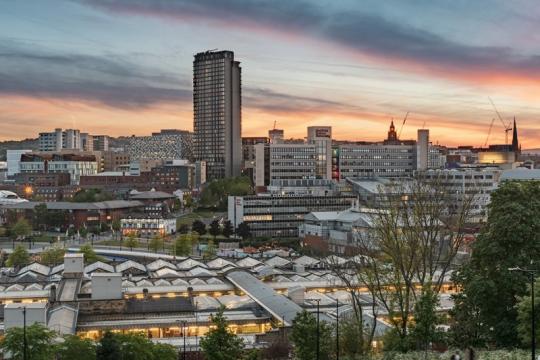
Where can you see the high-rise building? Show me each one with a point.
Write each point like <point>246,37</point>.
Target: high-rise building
<point>87,142</point>
<point>58,140</point>
<point>276,136</point>
<point>321,137</point>
<point>101,142</point>
<point>217,113</point>
<point>422,150</point>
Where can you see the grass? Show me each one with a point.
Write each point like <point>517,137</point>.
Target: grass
<point>199,214</point>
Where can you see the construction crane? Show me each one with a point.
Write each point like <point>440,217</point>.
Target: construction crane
<point>489,132</point>
<point>507,128</point>
<point>402,124</point>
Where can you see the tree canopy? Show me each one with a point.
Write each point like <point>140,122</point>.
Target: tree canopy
<point>92,195</point>
<point>216,193</point>
<point>38,342</point>
<point>220,343</point>
<point>304,337</point>
<point>19,257</point>
<point>485,311</point>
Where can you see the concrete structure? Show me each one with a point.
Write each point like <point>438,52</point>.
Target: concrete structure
<point>217,113</point>
<point>280,215</point>
<point>161,146</point>
<point>58,140</point>
<point>13,158</point>
<point>74,164</point>
<point>321,137</point>
<point>14,314</point>
<point>147,226</point>
<point>73,263</point>
<point>87,142</point>
<point>106,286</point>
<point>422,150</point>
<point>276,136</point>
<point>101,142</point>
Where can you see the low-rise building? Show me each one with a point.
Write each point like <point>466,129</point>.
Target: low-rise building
<point>76,165</point>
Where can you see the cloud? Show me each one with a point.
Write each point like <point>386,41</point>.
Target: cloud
<point>109,80</point>
<point>367,34</point>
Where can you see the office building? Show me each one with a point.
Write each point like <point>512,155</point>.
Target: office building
<point>422,150</point>
<point>280,216</point>
<point>249,154</point>
<point>58,140</point>
<point>87,142</point>
<point>217,113</point>
<point>13,158</point>
<point>101,142</point>
<point>321,137</point>
<point>161,146</point>
<point>276,136</point>
<point>75,164</point>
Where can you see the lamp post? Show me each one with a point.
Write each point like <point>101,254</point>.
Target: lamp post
<point>531,273</point>
<point>24,333</point>
<point>184,334</point>
<point>337,329</point>
<point>318,301</point>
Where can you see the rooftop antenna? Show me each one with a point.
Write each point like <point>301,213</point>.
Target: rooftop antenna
<point>274,124</point>
<point>402,124</point>
<point>424,125</point>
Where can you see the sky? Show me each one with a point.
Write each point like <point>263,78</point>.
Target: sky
<point>124,67</point>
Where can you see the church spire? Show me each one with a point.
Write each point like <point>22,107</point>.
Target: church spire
<point>392,135</point>
<point>515,143</point>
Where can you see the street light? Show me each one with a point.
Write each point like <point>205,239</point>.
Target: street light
<point>531,274</point>
<point>337,329</point>
<point>24,332</point>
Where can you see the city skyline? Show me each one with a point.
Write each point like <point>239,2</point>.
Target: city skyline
<point>124,67</point>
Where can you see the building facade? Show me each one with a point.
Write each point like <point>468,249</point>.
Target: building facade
<point>161,146</point>
<point>217,113</point>
<point>274,215</point>
<point>59,139</point>
<point>74,164</point>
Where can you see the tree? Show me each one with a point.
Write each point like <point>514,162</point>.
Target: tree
<point>135,347</point>
<point>164,352</point>
<point>412,243</point>
<point>116,225</point>
<point>304,337</point>
<point>188,201</point>
<point>108,347</point>
<point>21,229</point>
<point>53,256</point>
<point>182,245</point>
<point>486,308</point>
<point>19,257</point>
<point>219,343</point>
<point>73,347</point>
<point>352,337</point>
<point>40,216</point>
<point>90,255</point>
<point>156,243</point>
<point>243,231</point>
<point>215,228</point>
<point>228,229</point>
<point>92,195</point>
<point>525,315</point>
<point>183,228</point>
<point>215,194</point>
<point>199,227</point>
<point>424,332</point>
<point>131,241</point>
<point>38,342</point>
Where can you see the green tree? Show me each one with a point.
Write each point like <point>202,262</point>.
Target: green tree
<point>135,347</point>
<point>486,308</point>
<point>304,337</point>
<point>90,255</point>
<point>73,347</point>
<point>243,231</point>
<point>188,201</point>
<point>40,218</point>
<point>156,243</point>
<point>215,228</point>
<point>116,225</point>
<point>228,229</point>
<point>183,228</point>
<point>19,257</point>
<point>424,331</point>
<point>350,331</point>
<point>53,256</point>
<point>215,194</point>
<point>164,352</point>
<point>38,343</point>
<point>199,227</point>
<point>108,347</point>
<point>92,195</point>
<point>525,315</point>
<point>182,245</point>
<point>219,343</point>
<point>21,229</point>
<point>131,241</point>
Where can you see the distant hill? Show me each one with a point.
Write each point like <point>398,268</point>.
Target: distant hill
<point>31,144</point>
<point>531,151</point>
